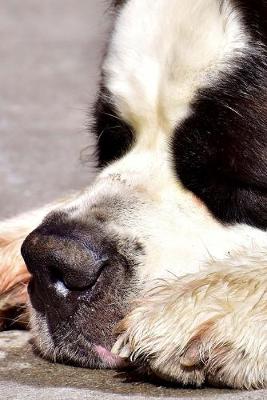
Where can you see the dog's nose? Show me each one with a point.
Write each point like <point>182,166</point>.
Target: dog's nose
<point>54,258</point>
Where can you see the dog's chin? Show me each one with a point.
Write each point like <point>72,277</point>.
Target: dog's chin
<point>85,355</point>
<point>71,344</point>
<point>94,357</point>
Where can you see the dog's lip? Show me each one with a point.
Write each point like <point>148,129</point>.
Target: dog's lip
<point>109,359</point>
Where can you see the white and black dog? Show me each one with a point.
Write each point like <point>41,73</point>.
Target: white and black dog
<point>169,244</point>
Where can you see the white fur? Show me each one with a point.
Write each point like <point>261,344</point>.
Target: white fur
<point>161,53</point>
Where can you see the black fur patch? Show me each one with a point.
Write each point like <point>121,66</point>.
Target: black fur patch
<point>220,151</point>
<point>118,3</point>
<point>254,13</point>
<point>114,136</point>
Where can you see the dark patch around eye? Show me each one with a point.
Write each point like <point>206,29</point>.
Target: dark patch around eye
<point>114,136</point>
<point>220,151</point>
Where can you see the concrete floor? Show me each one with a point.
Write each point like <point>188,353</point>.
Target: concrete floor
<point>50,52</point>
<point>25,376</point>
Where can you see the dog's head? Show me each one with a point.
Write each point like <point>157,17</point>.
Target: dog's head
<point>177,180</point>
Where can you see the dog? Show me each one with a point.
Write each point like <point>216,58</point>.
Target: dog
<point>162,261</point>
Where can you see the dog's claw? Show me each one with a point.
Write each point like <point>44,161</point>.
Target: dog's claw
<point>121,348</point>
<point>125,352</point>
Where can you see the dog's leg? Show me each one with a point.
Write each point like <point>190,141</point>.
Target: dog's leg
<point>210,327</point>
<point>14,275</point>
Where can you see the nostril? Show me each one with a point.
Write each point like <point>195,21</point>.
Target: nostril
<point>74,280</point>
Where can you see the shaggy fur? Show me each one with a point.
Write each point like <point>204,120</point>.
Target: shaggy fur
<point>163,259</point>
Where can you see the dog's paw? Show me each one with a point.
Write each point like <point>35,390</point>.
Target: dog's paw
<point>196,331</point>
<point>157,335</point>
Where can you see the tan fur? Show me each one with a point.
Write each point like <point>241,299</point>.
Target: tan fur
<point>14,278</point>
<point>13,269</point>
<point>13,272</point>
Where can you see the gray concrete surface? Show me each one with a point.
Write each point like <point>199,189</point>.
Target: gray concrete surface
<point>25,376</point>
<point>49,52</point>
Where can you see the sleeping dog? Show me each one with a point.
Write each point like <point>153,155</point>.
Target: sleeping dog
<point>163,260</point>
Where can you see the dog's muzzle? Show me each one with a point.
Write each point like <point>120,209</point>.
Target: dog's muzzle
<point>83,276</point>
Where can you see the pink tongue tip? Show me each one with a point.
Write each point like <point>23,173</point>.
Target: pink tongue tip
<point>110,360</point>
